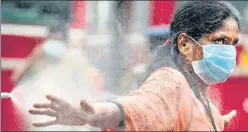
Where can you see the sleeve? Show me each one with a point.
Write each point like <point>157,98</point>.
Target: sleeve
<point>154,106</point>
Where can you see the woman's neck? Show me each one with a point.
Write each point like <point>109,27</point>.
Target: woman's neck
<point>194,81</point>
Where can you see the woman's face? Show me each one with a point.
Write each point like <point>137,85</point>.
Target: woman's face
<point>225,35</point>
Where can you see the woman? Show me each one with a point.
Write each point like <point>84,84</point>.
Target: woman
<point>173,98</point>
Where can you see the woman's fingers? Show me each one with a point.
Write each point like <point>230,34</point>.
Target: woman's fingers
<point>45,105</point>
<point>43,112</point>
<point>49,123</point>
<point>86,106</point>
<point>53,99</point>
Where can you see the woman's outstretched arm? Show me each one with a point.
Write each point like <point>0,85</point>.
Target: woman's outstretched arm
<point>107,115</point>
<point>152,107</point>
<point>102,115</point>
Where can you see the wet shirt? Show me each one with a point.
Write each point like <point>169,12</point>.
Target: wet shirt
<point>165,102</point>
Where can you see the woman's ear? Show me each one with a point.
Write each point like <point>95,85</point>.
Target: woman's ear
<point>184,44</point>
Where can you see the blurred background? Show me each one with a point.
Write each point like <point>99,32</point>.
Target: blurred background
<point>112,42</point>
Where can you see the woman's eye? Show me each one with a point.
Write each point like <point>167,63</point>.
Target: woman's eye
<point>221,41</point>
<point>235,42</point>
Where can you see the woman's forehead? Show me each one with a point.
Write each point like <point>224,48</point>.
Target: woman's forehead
<point>230,25</point>
<point>229,29</point>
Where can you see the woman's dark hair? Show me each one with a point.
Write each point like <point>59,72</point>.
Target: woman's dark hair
<point>195,18</point>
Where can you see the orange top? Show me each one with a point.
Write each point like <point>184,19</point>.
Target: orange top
<point>165,102</point>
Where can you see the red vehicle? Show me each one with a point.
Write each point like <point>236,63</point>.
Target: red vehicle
<point>17,41</point>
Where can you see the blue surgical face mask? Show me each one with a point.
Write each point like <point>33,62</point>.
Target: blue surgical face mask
<point>217,64</point>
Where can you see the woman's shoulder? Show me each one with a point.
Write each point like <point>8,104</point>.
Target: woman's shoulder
<point>167,73</point>
<point>166,78</point>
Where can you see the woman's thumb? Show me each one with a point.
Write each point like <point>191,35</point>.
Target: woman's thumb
<point>228,117</point>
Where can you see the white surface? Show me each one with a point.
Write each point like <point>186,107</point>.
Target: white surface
<point>23,30</point>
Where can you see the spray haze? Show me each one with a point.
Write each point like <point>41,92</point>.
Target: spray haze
<point>73,76</point>
<point>70,79</point>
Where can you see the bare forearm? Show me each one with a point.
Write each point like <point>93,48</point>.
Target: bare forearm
<point>108,115</point>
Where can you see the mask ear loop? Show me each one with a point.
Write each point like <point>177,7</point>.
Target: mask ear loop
<point>189,58</point>
<point>194,40</point>
<point>187,54</point>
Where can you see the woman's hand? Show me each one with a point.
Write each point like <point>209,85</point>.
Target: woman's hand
<point>228,117</point>
<point>65,113</point>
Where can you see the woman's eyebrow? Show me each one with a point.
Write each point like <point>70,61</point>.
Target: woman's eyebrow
<point>225,35</point>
